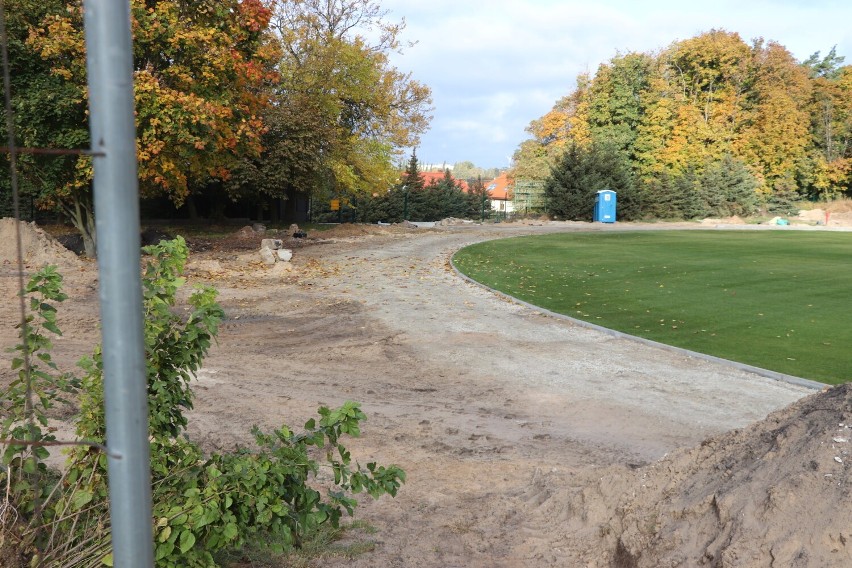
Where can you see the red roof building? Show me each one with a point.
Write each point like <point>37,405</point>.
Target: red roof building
<point>500,191</point>
<point>435,177</point>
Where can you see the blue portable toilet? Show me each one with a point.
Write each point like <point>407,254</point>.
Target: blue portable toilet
<point>604,206</point>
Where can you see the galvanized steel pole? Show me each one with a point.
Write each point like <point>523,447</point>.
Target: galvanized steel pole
<point>109,60</point>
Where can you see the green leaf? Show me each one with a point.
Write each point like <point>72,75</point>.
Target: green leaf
<point>50,326</point>
<point>107,560</point>
<point>187,540</point>
<point>81,498</point>
<point>230,532</point>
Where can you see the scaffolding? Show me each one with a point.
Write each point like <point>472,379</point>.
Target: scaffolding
<point>529,197</point>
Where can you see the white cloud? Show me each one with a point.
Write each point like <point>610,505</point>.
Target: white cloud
<point>496,65</point>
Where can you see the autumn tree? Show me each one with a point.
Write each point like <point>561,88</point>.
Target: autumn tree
<point>831,125</point>
<point>357,111</point>
<point>199,72</point>
<point>774,137</point>
<point>46,108</point>
<point>677,114</point>
<point>564,124</point>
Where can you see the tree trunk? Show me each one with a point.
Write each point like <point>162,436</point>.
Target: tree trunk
<point>191,208</point>
<point>79,211</point>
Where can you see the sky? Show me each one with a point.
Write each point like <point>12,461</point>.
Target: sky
<point>495,65</point>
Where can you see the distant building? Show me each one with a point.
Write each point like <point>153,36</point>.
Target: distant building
<point>435,167</point>
<point>500,193</point>
<point>436,177</point>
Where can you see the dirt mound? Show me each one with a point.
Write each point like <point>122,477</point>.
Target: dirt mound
<point>834,215</point>
<point>735,220</point>
<point>37,247</point>
<point>840,206</point>
<point>349,230</point>
<point>773,494</point>
<point>345,230</point>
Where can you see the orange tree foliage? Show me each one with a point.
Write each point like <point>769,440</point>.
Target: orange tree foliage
<point>709,100</point>
<point>200,67</point>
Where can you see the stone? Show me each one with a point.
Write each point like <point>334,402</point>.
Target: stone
<point>246,231</point>
<point>281,268</point>
<point>267,256</point>
<point>271,244</point>
<point>285,254</point>
<point>258,228</point>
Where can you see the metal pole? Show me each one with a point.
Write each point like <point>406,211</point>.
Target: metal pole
<point>109,62</point>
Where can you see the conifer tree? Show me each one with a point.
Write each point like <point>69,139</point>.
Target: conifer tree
<point>581,173</point>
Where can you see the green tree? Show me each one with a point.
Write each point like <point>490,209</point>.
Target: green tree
<point>451,198</point>
<point>581,173</point>
<point>616,104</point>
<point>478,200</point>
<point>827,67</point>
<point>727,188</point>
<point>466,170</point>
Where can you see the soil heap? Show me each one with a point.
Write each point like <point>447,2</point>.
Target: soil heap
<point>37,247</point>
<point>776,493</point>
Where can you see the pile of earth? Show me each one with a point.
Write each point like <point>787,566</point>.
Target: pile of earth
<point>776,493</point>
<point>38,249</point>
<point>837,213</point>
<point>349,230</point>
<point>735,220</point>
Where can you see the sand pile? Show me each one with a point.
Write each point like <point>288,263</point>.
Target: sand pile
<point>38,248</point>
<point>776,493</point>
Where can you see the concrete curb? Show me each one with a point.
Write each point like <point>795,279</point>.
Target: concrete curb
<point>790,379</point>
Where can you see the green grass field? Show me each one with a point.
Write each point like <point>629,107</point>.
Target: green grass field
<point>773,299</point>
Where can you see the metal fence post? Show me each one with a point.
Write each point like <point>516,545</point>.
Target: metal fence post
<point>109,63</point>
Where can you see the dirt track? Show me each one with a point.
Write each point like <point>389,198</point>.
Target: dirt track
<point>483,402</point>
<point>486,404</point>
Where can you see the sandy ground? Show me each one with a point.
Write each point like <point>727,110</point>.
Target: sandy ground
<point>507,421</point>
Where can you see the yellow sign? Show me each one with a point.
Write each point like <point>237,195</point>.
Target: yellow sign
<point>335,204</point>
